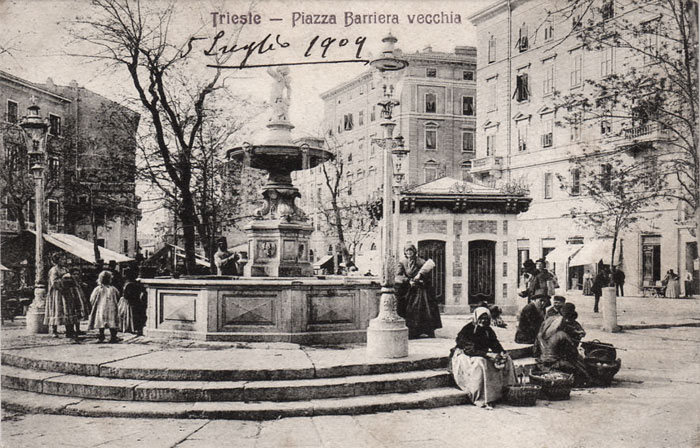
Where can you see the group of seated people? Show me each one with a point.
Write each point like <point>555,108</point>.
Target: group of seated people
<point>482,368</point>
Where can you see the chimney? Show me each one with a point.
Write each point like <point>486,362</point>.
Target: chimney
<point>49,83</point>
<point>73,84</point>
<point>428,49</point>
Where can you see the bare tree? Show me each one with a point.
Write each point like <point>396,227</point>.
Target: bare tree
<point>136,37</point>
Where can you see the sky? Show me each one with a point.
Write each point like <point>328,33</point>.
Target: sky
<point>37,33</point>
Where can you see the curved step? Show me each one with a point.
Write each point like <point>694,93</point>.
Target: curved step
<point>56,383</point>
<point>264,410</point>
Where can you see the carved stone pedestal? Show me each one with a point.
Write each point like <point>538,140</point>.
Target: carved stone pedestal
<point>278,249</point>
<point>387,334</point>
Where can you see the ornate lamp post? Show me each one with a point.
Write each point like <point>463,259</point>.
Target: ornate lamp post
<point>35,129</point>
<point>387,335</point>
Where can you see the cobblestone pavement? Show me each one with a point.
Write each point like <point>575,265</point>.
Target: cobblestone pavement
<point>654,403</point>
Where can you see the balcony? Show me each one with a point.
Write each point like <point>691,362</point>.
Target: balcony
<point>487,164</point>
<point>644,134</point>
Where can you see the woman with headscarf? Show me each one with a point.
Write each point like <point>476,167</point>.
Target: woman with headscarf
<point>556,349</point>
<point>415,296</point>
<point>479,364</point>
<point>62,303</point>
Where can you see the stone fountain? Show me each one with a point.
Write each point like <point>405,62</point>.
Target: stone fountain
<point>277,299</point>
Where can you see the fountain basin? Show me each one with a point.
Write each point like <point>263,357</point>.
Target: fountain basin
<point>302,310</point>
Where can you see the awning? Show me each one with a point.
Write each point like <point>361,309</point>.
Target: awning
<point>3,268</point>
<point>596,250</point>
<point>319,264</point>
<point>561,255</point>
<point>82,249</point>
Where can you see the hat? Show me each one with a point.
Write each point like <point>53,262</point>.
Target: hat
<point>569,311</point>
<point>542,260</point>
<point>529,263</point>
<point>559,299</point>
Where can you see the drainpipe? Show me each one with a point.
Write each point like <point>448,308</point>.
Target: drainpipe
<point>510,100</point>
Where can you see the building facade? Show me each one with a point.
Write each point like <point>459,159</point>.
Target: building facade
<point>91,158</point>
<point>436,118</point>
<point>526,58</point>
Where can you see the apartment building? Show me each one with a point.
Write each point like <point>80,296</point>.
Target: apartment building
<point>528,55</point>
<point>90,153</point>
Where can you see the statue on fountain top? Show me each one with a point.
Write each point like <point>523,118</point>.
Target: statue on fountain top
<point>281,93</point>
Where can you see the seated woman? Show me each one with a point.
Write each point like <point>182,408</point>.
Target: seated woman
<point>479,364</point>
<point>557,350</point>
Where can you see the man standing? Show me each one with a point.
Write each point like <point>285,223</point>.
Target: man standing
<point>601,281</point>
<point>688,280</point>
<point>619,279</point>
<point>224,259</point>
<point>543,284</point>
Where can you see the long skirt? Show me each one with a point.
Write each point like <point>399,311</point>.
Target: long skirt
<point>477,376</point>
<point>62,308</point>
<point>588,287</point>
<point>131,317</point>
<point>421,310</point>
<point>673,289</point>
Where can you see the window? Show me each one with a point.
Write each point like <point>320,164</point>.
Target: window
<point>340,126</point>
<point>349,159</point>
<point>372,145</point>
<point>608,10</point>
<point>468,75</point>
<point>54,168</point>
<point>548,185</point>
<point>12,109</point>
<point>53,212</point>
<point>575,182</point>
<point>431,138</point>
<point>606,176</point>
<point>467,171</point>
<point>492,49</point>
<point>431,73</point>
<point>83,199</point>
<point>606,61</point>
<point>361,118</point>
<point>467,141</point>
<point>373,113</point>
<point>522,88</point>
<point>492,92</point>
<point>101,242</point>
<point>548,134</point>
<point>362,90</point>
<point>126,247</point>
<point>430,171</point>
<point>490,144</point>
<point>505,269</point>
<point>576,66</point>
<point>347,122</point>
<point>548,30</point>
<point>54,124</point>
<point>467,105</point>
<point>350,183</point>
<point>522,128</point>
<point>548,78</point>
<point>575,126</point>
<point>430,103</point>
<point>650,41</point>
<point>522,43</point>
<point>605,124</point>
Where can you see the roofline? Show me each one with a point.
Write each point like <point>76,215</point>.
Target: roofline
<point>26,83</point>
<point>487,11</point>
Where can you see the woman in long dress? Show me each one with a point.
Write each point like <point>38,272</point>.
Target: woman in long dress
<point>415,296</point>
<point>587,284</point>
<point>105,312</point>
<point>673,285</point>
<point>479,364</point>
<point>62,303</point>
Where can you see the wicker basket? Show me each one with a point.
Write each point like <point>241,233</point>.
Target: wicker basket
<point>603,372</point>
<point>523,394</point>
<point>555,385</point>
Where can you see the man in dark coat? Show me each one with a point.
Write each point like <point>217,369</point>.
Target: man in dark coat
<point>555,309</point>
<point>601,281</point>
<point>540,284</point>
<point>531,318</point>
<point>619,279</point>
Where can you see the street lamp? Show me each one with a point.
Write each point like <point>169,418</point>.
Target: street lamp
<point>387,335</point>
<point>35,129</point>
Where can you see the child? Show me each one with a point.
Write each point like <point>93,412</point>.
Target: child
<point>104,312</point>
<point>132,305</point>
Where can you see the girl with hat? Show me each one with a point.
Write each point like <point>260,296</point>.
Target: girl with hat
<point>479,364</point>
